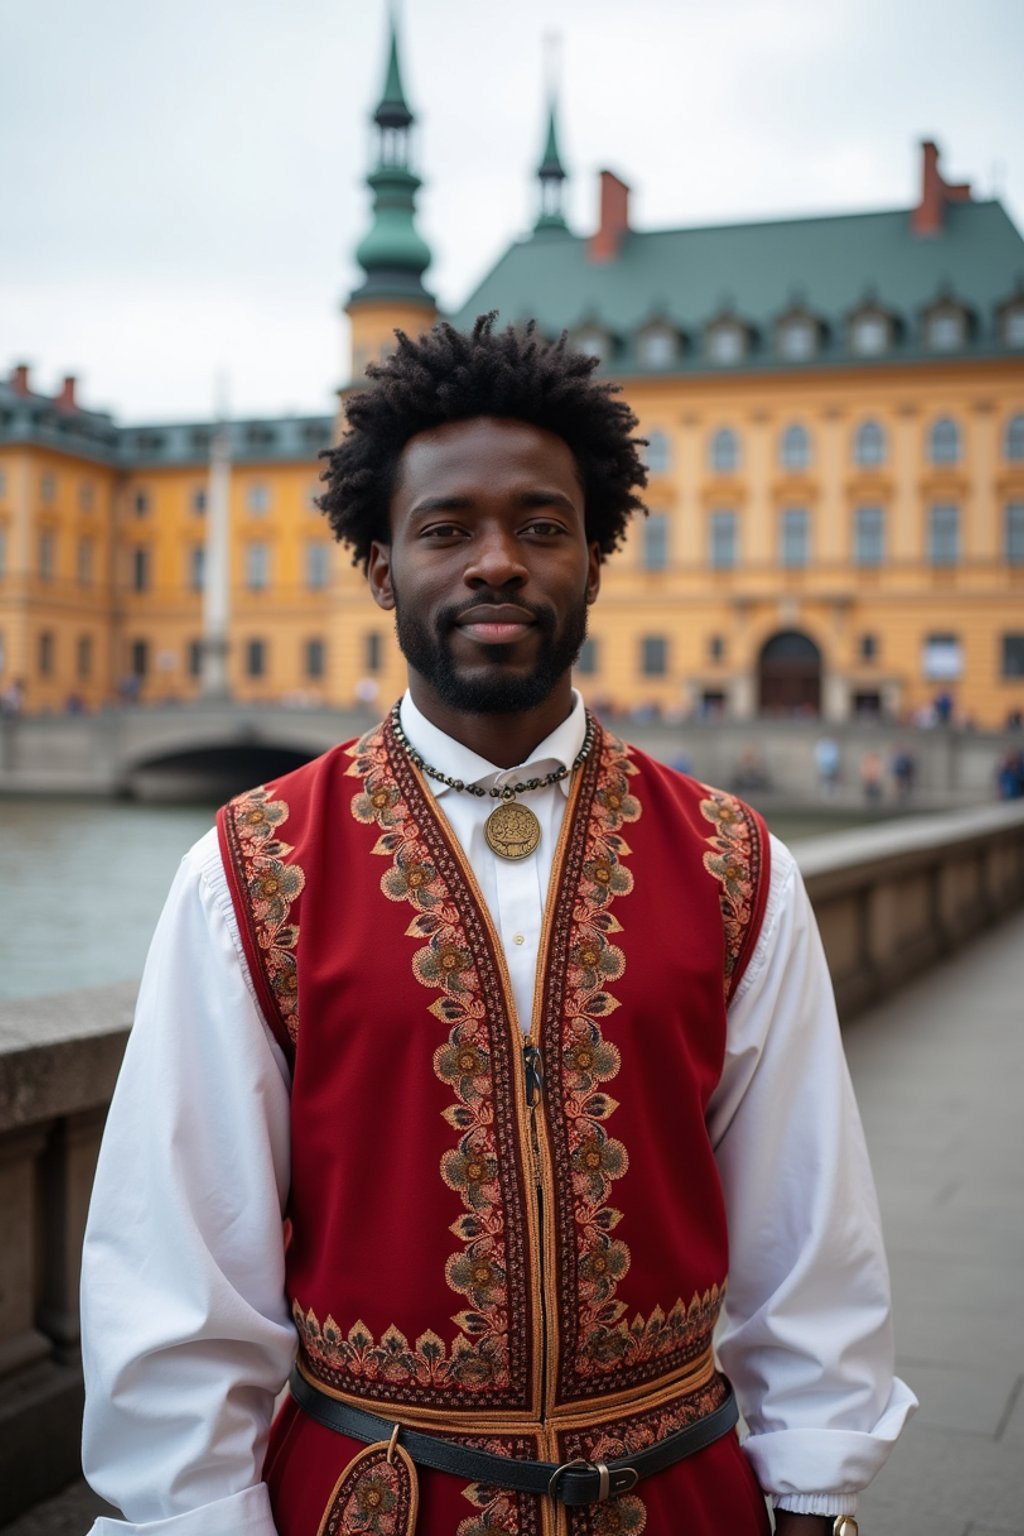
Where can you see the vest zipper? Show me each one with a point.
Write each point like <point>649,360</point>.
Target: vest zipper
<point>533,1066</point>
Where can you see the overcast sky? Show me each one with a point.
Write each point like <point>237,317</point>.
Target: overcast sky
<point>181,181</point>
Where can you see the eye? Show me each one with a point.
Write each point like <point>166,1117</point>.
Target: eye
<point>442,531</point>
<point>545,528</point>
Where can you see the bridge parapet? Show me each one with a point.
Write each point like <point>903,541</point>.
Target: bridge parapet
<point>890,901</point>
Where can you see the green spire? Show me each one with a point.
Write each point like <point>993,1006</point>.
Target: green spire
<point>392,254</point>
<point>393,109</point>
<point>552,177</point>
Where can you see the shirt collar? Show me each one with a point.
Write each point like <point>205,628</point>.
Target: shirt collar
<point>443,752</point>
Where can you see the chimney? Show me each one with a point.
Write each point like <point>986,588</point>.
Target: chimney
<point>926,218</point>
<point>605,243</point>
<point>66,399</point>
<point>19,379</point>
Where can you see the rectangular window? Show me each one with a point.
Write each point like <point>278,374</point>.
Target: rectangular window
<point>140,569</point>
<point>1015,533</point>
<point>257,566</point>
<point>868,536</point>
<point>942,658</point>
<point>86,495</point>
<point>46,649</point>
<point>196,567</point>
<point>195,658</point>
<point>314,659</point>
<point>1013,655</point>
<point>140,659</point>
<point>867,647</point>
<point>716,647</point>
<point>48,488</point>
<point>318,565</point>
<point>654,655</point>
<point>794,539</point>
<point>257,498</point>
<point>86,549</point>
<point>943,535</point>
<point>373,652</point>
<point>723,540</point>
<point>198,501</point>
<point>140,503</point>
<point>47,555</point>
<point>255,658</point>
<point>586,662</point>
<point>83,658</point>
<point>655,542</point>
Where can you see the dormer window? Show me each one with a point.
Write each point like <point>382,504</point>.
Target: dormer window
<point>869,333</point>
<point>1013,325</point>
<point>797,338</point>
<point>593,342</point>
<point>726,342</point>
<point>658,346</point>
<point>945,327</point>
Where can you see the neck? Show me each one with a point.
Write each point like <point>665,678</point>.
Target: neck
<point>504,740</point>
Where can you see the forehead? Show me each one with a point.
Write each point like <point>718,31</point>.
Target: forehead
<point>484,452</point>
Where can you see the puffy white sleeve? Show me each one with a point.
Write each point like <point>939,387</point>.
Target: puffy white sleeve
<point>807,1333</point>
<point>186,1334</point>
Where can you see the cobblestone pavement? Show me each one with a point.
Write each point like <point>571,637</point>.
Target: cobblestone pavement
<point>938,1071</point>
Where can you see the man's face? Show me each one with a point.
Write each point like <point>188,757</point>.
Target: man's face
<point>488,569</point>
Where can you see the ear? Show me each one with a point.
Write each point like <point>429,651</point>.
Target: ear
<point>593,572</point>
<point>378,574</point>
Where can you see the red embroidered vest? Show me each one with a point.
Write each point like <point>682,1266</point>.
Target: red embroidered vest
<point>516,1241</point>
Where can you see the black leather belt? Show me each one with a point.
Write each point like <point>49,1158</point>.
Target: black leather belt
<point>574,1482</point>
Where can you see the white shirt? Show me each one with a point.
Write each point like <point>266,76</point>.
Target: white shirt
<point>187,1338</point>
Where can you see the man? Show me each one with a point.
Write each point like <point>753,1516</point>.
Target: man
<point>475,1057</point>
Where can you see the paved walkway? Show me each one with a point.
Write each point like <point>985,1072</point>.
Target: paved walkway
<point>940,1077</point>
<point>939,1071</point>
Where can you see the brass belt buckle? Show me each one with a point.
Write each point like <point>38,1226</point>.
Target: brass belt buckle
<point>604,1478</point>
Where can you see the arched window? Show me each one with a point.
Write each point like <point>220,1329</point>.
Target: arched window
<point>795,447</point>
<point>1013,443</point>
<point>657,454</point>
<point>725,451</point>
<point>869,447</point>
<point>944,441</point>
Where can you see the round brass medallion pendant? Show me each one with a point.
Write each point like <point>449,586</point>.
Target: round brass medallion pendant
<point>512,831</point>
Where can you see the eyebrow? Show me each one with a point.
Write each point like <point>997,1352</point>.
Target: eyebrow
<point>526,499</point>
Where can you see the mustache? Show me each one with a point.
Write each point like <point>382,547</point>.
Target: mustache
<point>543,616</point>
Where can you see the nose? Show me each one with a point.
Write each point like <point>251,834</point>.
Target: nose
<point>495,560</point>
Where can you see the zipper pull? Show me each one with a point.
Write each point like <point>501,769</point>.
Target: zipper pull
<point>533,1065</point>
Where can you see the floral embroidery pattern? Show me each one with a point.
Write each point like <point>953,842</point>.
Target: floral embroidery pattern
<point>734,860</point>
<point>272,886</point>
<point>598,1337</point>
<point>624,1437</point>
<point>373,1498</point>
<point>489,1268</point>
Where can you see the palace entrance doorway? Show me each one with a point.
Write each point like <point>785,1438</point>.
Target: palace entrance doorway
<point>789,675</point>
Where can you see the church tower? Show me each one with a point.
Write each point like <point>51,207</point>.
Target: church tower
<point>392,254</point>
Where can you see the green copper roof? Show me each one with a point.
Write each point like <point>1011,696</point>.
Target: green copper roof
<point>393,109</point>
<point>828,265</point>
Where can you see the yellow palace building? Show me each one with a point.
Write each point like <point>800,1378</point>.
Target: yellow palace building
<point>834,410</point>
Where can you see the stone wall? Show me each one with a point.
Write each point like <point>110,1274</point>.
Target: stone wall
<point>890,900</point>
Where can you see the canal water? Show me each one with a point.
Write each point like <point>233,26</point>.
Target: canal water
<point>82,884</point>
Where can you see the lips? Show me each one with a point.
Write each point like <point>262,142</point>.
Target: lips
<point>495,623</point>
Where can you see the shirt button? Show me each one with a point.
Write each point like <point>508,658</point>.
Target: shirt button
<point>518,938</point>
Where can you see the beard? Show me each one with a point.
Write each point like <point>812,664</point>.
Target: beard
<point>501,691</point>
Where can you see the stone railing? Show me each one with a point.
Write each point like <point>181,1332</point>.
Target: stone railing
<point>890,900</point>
